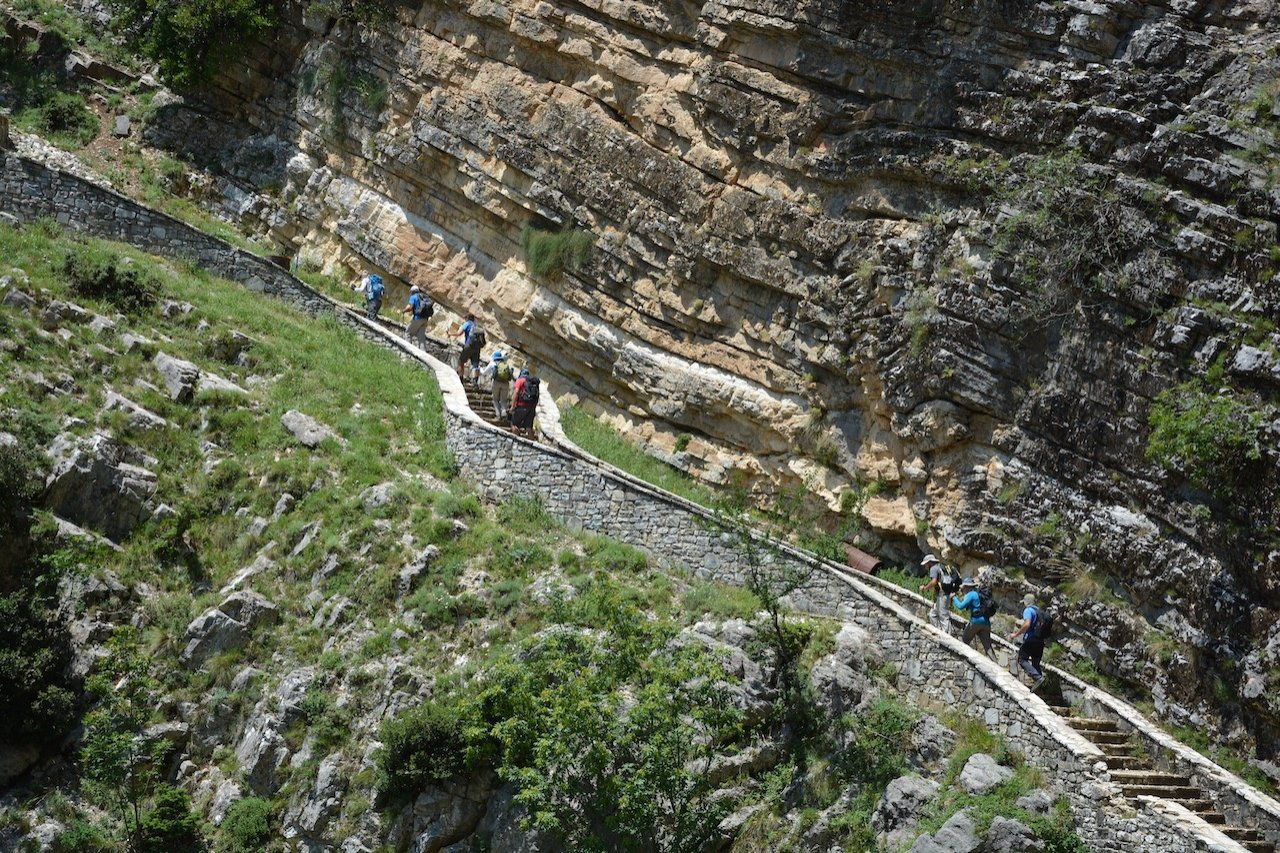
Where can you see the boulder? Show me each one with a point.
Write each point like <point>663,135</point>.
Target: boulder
<point>325,800</point>
<point>1011,836</point>
<point>180,377</point>
<point>139,418</point>
<point>957,835</point>
<point>900,807</point>
<point>130,342</point>
<point>376,497</point>
<point>839,679</point>
<point>15,759</point>
<point>414,569</point>
<point>449,812</point>
<point>214,382</point>
<point>227,626</point>
<point>170,309</point>
<point>19,300</point>
<point>306,429</point>
<point>58,312</point>
<point>260,754</point>
<point>292,690</point>
<point>981,773</point>
<point>94,486</point>
<point>228,346</point>
<point>1038,802</point>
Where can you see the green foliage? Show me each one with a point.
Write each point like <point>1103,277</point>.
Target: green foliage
<point>882,737</point>
<point>247,826</point>
<point>329,724</point>
<point>549,253</point>
<point>429,743</point>
<point>1210,434</point>
<point>95,271</point>
<point>604,442</point>
<point>194,39</point>
<point>65,118</point>
<point>361,11</point>
<point>19,483</point>
<point>170,826</point>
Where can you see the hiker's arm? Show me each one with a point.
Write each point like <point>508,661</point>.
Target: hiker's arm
<point>1022,629</point>
<point>932,583</point>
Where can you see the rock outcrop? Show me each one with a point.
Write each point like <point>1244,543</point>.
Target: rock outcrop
<point>99,483</point>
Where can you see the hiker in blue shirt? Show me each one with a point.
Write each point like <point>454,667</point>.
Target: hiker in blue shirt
<point>473,338</point>
<point>421,307</point>
<point>1032,648</point>
<point>979,620</point>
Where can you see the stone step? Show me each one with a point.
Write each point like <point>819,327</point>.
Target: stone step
<point>1106,737</point>
<point>1150,777</point>
<point>1168,792</point>
<point>1062,710</point>
<point>1216,818</point>
<point>1258,846</point>
<point>1243,833</point>
<point>1126,762</point>
<point>1087,724</point>
<point>1110,749</point>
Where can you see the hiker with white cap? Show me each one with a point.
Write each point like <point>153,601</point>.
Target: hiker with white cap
<point>979,615</point>
<point>501,374</point>
<point>943,581</point>
<point>1033,630</point>
<point>372,287</point>
<point>421,307</point>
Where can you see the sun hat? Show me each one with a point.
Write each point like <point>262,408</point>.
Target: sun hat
<point>968,582</point>
<point>497,355</point>
<point>1029,599</point>
<point>929,558</point>
<point>414,289</point>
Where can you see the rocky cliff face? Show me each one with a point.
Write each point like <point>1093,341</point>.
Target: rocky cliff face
<point>958,248</point>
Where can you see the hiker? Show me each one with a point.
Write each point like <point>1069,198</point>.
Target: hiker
<point>473,338</point>
<point>1032,648</point>
<point>500,374</point>
<point>525,405</point>
<point>421,307</point>
<point>943,582</point>
<point>373,289</point>
<point>979,618</point>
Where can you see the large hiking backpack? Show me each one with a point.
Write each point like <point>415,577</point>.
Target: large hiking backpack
<point>478,338</point>
<point>529,392</point>
<point>425,307</point>
<point>987,605</point>
<point>1043,624</point>
<point>502,372</point>
<point>376,289</point>
<point>949,579</point>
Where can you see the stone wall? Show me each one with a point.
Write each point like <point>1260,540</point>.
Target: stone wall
<point>934,669</point>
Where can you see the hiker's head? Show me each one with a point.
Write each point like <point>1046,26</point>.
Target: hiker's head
<point>525,373</point>
<point>498,356</point>
<point>471,316</point>
<point>929,560</point>
<point>415,289</point>
<point>968,583</point>
<point>1029,599</point>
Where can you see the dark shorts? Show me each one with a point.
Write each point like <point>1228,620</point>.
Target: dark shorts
<point>470,353</point>
<point>1032,649</point>
<point>522,417</point>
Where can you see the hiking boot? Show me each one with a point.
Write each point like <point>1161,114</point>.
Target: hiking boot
<point>1035,685</point>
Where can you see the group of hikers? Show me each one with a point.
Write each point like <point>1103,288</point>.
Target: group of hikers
<point>515,393</point>
<point>950,590</point>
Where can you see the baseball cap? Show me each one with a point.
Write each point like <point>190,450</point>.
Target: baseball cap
<point>415,289</point>
<point>929,558</point>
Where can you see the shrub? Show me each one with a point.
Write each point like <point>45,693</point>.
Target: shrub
<point>549,253</point>
<point>170,826</point>
<point>35,655</point>
<point>66,118</point>
<point>194,39</point>
<point>19,483</point>
<point>423,745</point>
<point>247,826</point>
<point>101,274</point>
<point>80,836</point>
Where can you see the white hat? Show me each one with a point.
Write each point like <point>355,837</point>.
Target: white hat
<point>1029,599</point>
<point>929,558</point>
<point>414,289</point>
<point>968,582</point>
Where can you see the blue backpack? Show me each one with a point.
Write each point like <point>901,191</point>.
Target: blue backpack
<point>375,287</point>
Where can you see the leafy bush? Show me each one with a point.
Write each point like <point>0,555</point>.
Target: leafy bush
<point>247,826</point>
<point>550,253</point>
<point>193,40</point>
<point>1213,436</point>
<point>66,118</point>
<point>80,836</point>
<point>97,273</point>
<point>19,482</point>
<point>423,745</point>
<point>170,826</point>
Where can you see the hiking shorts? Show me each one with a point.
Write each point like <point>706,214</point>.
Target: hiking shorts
<point>522,417</point>
<point>471,353</point>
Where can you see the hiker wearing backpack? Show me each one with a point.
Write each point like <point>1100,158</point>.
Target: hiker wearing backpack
<point>421,307</point>
<point>501,374</point>
<point>525,405</point>
<point>473,339</point>
<point>372,287</point>
<point>943,582</point>
<point>1034,630</point>
<point>981,607</point>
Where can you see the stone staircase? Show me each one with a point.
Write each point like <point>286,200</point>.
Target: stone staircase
<point>1137,777</point>
<point>481,402</point>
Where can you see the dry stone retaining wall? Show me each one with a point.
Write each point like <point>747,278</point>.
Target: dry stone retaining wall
<point>933,668</point>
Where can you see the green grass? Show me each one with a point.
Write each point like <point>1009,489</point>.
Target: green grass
<point>604,442</point>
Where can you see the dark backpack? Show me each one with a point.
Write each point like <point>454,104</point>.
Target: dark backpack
<point>949,579</point>
<point>987,605</point>
<point>529,393</point>
<point>425,308</point>
<point>502,372</point>
<point>1043,624</point>
<point>478,338</point>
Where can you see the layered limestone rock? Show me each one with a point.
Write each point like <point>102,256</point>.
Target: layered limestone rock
<point>955,248</point>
